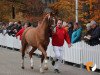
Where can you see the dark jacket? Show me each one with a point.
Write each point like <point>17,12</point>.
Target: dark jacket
<point>95,35</point>
<point>70,31</point>
<point>10,29</point>
<point>18,27</point>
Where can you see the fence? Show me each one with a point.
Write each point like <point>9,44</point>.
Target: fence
<point>79,53</point>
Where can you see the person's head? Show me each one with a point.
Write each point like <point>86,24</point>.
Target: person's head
<point>70,25</point>
<point>88,26</point>
<point>11,23</point>
<point>15,23</point>
<point>93,24</point>
<point>19,22</point>
<point>59,23</point>
<point>64,24</point>
<point>76,25</point>
<point>27,25</point>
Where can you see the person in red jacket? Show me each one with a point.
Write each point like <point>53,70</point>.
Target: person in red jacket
<point>58,37</point>
<point>20,32</point>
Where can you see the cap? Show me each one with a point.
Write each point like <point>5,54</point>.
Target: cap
<point>93,22</point>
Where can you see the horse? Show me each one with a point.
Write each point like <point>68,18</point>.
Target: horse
<point>38,38</point>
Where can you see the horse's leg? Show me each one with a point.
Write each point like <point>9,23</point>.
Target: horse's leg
<point>45,65</point>
<point>24,45</point>
<point>44,56</point>
<point>42,59</point>
<point>30,55</point>
<point>23,54</point>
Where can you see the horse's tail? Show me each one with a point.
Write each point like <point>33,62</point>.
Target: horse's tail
<point>23,41</point>
<point>23,35</point>
<point>25,32</point>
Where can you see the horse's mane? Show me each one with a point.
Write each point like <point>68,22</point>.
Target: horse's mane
<point>45,20</point>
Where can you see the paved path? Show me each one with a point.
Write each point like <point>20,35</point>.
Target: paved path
<point>10,64</point>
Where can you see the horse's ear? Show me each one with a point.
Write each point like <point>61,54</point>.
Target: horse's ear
<point>49,16</point>
<point>52,14</point>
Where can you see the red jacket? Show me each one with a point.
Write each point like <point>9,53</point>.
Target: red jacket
<point>59,36</point>
<point>20,33</point>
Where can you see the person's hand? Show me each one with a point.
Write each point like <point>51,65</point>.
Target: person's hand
<point>15,30</point>
<point>85,36</point>
<point>89,37</point>
<point>69,45</point>
<point>54,30</point>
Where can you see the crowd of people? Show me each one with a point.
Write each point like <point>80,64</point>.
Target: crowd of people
<point>91,36</point>
<point>13,28</point>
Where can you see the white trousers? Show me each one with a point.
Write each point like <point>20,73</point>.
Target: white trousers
<point>58,55</point>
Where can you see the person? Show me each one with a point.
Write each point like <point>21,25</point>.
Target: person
<point>76,35</point>
<point>88,32</point>
<point>10,29</point>
<point>70,29</point>
<point>18,26</point>
<point>22,30</point>
<point>65,25</point>
<point>58,36</point>
<point>4,30</point>
<point>94,37</point>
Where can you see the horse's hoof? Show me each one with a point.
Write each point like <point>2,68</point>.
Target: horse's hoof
<point>23,67</point>
<point>31,67</point>
<point>45,67</point>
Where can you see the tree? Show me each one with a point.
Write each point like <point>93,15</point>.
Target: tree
<point>88,9</point>
<point>64,8</point>
<point>28,8</point>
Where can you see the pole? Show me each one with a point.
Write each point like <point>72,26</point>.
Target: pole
<point>76,10</point>
<point>13,12</point>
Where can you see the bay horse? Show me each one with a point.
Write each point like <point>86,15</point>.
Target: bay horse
<point>38,38</point>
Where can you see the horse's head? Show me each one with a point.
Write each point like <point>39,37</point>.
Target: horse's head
<point>50,22</point>
<point>50,19</point>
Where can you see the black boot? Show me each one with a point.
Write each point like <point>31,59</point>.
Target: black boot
<point>53,62</point>
<point>56,71</point>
